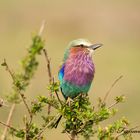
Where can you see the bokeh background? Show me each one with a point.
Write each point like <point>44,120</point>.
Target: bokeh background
<point>115,23</point>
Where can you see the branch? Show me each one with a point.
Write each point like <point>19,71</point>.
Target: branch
<point>17,89</point>
<point>8,69</point>
<point>8,122</point>
<point>112,105</point>
<point>49,74</point>
<point>48,66</point>
<point>43,129</point>
<point>58,97</point>
<point>9,126</point>
<point>25,103</point>
<point>114,83</point>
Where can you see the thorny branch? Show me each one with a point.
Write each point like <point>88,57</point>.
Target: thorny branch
<point>49,74</point>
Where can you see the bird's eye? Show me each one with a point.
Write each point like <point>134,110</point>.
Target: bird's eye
<point>82,45</point>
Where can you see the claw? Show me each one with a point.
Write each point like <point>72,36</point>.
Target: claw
<point>69,101</point>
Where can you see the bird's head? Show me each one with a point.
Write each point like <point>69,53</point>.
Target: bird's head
<point>81,45</point>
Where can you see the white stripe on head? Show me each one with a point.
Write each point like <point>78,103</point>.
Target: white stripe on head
<point>77,42</point>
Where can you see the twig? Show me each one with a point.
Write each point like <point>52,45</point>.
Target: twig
<point>114,83</point>
<point>9,126</point>
<point>43,129</point>
<point>58,97</point>
<point>57,94</point>
<point>49,74</point>
<point>8,121</point>
<point>25,103</point>
<point>113,105</point>
<point>48,65</point>
<point>26,127</point>
<point>18,90</point>
<point>13,106</point>
<point>116,138</point>
<point>40,132</point>
<point>8,69</point>
<point>42,28</point>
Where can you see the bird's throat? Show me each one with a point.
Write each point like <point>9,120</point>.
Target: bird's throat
<point>79,69</point>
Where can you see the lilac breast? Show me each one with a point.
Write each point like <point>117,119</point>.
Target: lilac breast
<point>79,70</point>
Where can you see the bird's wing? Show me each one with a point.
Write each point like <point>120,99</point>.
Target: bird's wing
<point>60,76</point>
<point>61,73</point>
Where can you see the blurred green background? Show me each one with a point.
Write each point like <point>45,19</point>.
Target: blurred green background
<point>116,24</point>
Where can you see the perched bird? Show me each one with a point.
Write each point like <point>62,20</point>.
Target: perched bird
<point>77,71</point>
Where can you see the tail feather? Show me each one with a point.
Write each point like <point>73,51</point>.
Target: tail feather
<point>57,122</point>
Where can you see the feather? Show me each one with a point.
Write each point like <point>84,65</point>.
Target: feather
<point>61,73</point>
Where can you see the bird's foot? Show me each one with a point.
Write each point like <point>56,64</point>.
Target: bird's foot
<point>83,95</point>
<point>69,101</point>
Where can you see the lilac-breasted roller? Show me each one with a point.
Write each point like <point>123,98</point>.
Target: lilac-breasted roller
<point>77,71</point>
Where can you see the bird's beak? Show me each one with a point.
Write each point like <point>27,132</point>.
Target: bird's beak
<point>95,46</point>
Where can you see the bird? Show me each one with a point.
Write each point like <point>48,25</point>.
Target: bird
<point>77,71</point>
